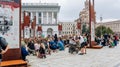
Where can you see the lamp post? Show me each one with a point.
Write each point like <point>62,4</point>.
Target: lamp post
<point>80,26</point>
<point>101,25</point>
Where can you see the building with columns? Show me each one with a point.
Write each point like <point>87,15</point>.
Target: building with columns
<point>46,16</point>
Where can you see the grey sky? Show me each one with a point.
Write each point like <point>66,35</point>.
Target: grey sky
<point>69,11</point>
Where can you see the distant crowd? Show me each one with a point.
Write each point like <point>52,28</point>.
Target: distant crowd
<point>108,40</point>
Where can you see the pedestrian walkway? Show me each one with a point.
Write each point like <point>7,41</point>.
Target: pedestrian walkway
<point>105,57</point>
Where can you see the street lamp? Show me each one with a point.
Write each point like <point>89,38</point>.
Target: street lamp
<point>101,26</point>
<point>81,25</point>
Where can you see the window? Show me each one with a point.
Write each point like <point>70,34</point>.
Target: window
<point>40,14</point>
<point>55,17</point>
<point>44,17</point>
<point>39,18</point>
<point>49,17</point>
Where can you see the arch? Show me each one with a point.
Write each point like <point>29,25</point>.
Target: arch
<point>50,31</point>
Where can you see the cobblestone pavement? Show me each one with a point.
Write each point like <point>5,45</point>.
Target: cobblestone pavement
<point>105,57</point>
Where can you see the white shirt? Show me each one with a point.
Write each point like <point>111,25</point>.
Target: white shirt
<point>81,39</point>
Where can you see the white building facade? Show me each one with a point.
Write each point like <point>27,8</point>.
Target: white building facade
<point>46,16</point>
<point>69,28</point>
<point>113,25</point>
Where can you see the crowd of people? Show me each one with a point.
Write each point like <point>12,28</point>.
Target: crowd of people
<point>108,40</point>
<point>44,46</point>
<point>41,47</point>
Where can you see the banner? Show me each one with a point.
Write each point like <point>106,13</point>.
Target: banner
<point>59,27</point>
<point>78,25</point>
<point>92,31</point>
<point>10,22</point>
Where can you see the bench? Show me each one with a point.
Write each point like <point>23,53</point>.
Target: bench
<point>13,63</point>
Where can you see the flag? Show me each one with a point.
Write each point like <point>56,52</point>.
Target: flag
<point>26,19</point>
<point>59,27</point>
<point>39,28</point>
<point>22,26</point>
<point>78,25</point>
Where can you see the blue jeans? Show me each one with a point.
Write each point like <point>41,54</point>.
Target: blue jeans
<point>115,42</point>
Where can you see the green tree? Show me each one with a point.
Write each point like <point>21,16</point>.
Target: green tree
<point>101,30</point>
<point>109,31</point>
<point>84,29</point>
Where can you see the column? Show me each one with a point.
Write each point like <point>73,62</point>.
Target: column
<point>42,18</point>
<point>52,17</point>
<point>30,33</point>
<point>57,18</point>
<point>37,18</point>
<point>31,17</point>
<point>22,16</point>
<point>47,18</point>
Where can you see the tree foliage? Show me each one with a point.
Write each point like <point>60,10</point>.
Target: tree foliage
<point>85,29</point>
<point>101,30</point>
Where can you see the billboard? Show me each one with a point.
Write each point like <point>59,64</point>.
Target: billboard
<point>10,22</point>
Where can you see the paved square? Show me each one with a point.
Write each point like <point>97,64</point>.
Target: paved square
<point>105,57</point>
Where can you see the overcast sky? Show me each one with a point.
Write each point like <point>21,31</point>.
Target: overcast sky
<point>70,9</point>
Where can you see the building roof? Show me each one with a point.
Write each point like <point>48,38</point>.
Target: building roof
<point>40,5</point>
<point>110,22</point>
